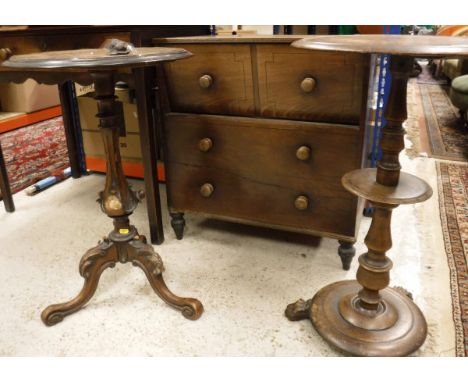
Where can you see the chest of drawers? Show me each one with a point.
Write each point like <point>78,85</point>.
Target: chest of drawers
<point>260,132</point>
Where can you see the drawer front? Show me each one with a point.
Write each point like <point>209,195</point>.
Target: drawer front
<point>221,193</point>
<point>216,80</point>
<point>317,86</point>
<point>265,150</point>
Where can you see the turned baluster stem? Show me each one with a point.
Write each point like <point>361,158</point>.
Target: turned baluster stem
<point>374,266</point>
<point>392,142</point>
<point>117,199</point>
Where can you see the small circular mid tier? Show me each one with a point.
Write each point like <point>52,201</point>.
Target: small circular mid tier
<point>410,189</point>
<point>400,45</point>
<point>94,58</point>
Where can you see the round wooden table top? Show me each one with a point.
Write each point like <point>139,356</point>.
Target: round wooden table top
<point>402,45</point>
<point>94,58</point>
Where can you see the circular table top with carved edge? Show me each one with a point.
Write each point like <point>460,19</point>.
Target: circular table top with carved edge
<point>96,59</point>
<point>410,189</point>
<point>400,45</point>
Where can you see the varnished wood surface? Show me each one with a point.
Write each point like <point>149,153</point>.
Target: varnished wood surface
<point>50,38</point>
<point>230,39</point>
<point>118,201</point>
<point>266,80</point>
<point>29,44</point>
<point>144,31</point>
<point>410,189</point>
<point>365,317</point>
<point>407,335</point>
<point>265,149</point>
<point>401,45</point>
<point>335,97</point>
<point>93,58</point>
<point>231,91</point>
<point>249,158</point>
<point>239,197</point>
<point>254,170</point>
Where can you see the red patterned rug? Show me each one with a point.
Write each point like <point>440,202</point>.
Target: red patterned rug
<point>34,152</point>
<point>453,201</point>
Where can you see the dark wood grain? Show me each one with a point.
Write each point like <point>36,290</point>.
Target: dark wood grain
<point>149,151</point>
<point>269,140</point>
<point>117,200</point>
<point>230,39</point>
<point>35,39</point>
<point>398,45</point>
<point>335,97</point>
<point>264,149</point>
<point>365,317</point>
<point>330,212</point>
<point>231,91</point>
<point>70,131</point>
<point>410,190</point>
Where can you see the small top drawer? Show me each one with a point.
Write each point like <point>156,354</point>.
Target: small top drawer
<point>316,86</point>
<point>216,80</point>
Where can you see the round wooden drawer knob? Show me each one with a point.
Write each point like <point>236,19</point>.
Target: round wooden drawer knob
<point>308,84</point>
<point>205,144</point>
<point>205,81</point>
<point>301,202</point>
<point>206,190</point>
<point>303,153</point>
<point>5,53</point>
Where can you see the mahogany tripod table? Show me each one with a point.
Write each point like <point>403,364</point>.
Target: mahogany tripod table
<point>104,67</point>
<point>367,317</point>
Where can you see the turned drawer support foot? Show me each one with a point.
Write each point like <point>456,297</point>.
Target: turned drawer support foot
<point>346,251</point>
<point>178,224</point>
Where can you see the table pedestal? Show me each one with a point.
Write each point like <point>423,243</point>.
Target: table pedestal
<point>118,201</point>
<point>366,317</point>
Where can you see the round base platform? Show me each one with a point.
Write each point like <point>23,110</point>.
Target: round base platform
<point>398,328</point>
<point>410,188</point>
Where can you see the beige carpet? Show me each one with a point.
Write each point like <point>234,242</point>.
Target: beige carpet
<point>244,276</point>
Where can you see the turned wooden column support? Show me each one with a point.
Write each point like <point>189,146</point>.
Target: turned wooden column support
<point>392,138</point>
<point>117,198</point>
<point>366,316</point>
<point>374,266</point>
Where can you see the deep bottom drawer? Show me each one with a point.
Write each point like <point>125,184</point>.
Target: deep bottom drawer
<point>329,209</point>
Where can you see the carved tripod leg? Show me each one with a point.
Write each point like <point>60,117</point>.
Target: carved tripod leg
<point>92,264</point>
<point>144,256</point>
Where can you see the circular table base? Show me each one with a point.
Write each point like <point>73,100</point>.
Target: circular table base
<point>405,335</point>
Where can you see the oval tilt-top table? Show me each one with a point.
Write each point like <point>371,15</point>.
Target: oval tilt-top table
<point>366,317</point>
<point>104,67</point>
